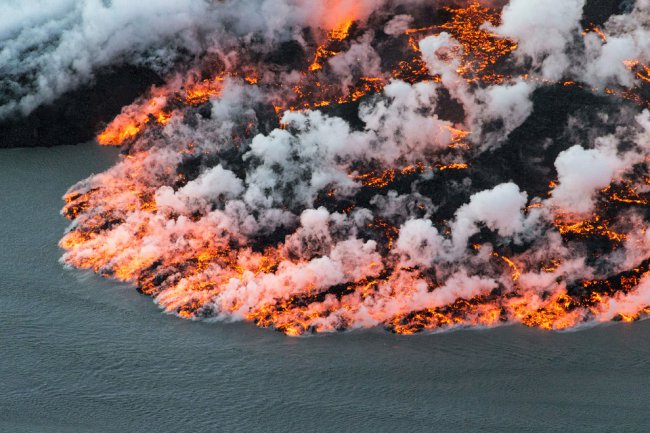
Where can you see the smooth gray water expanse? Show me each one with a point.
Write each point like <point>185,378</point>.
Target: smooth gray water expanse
<point>80,353</point>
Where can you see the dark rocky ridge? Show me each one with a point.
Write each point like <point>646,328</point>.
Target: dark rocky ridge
<point>76,116</point>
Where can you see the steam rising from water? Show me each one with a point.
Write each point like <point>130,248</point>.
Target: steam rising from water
<point>329,167</point>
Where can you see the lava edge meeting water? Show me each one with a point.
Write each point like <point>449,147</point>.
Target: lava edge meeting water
<point>309,197</point>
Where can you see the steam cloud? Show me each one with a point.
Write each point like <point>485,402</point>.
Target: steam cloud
<point>350,189</point>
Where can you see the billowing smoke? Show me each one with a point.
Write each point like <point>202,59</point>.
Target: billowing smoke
<point>544,31</point>
<point>50,47</point>
<point>330,165</point>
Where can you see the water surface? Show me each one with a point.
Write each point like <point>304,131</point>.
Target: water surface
<point>79,353</point>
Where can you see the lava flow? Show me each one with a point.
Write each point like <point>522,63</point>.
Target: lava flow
<point>410,167</point>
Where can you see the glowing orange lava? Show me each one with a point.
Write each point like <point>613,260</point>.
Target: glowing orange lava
<point>132,222</point>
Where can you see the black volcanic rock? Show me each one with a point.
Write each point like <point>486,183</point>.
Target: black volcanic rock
<point>289,54</point>
<point>528,155</point>
<point>599,11</point>
<point>76,116</point>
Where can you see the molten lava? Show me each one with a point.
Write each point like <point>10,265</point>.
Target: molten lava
<point>261,216</point>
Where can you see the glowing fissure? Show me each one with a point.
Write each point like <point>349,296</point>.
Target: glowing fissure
<point>236,198</point>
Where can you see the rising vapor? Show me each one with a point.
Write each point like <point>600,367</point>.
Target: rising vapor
<point>329,165</point>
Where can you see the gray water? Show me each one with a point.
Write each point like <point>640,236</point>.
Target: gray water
<point>79,353</point>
